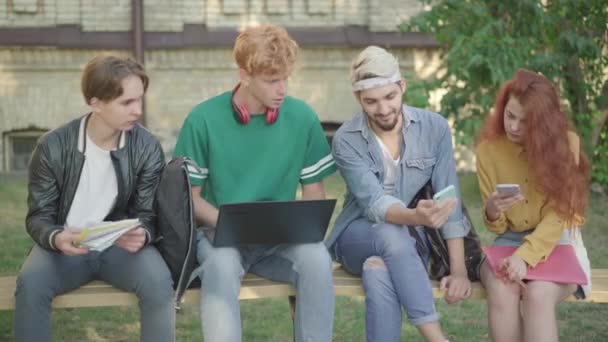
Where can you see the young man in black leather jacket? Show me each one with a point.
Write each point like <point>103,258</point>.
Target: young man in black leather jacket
<point>102,166</point>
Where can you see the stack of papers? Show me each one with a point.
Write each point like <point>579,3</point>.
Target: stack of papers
<point>101,236</point>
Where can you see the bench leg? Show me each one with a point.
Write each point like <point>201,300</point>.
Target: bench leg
<point>292,311</point>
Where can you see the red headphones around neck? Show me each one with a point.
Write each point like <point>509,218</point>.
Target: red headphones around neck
<point>242,115</point>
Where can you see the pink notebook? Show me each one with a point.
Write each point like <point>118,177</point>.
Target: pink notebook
<point>561,266</point>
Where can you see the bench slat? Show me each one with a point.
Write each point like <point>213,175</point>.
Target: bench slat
<point>98,293</point>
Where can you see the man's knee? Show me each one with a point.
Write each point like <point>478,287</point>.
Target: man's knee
<point>31,286</point>
<point>391,238</point>
<point>222,264</point>
<point>377,282</point>
<point>375,274</point>
<point>153,279</point>
<point>159,282</point>
<point>36,277</point>
<point>374,263</point>
<point>313,257</point>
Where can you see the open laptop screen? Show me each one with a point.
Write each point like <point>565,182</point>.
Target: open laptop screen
<point>273,222</point>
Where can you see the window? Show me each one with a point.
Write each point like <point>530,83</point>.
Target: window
<point>24,6</point>
<point>18,148</point>
<point>330,129</point>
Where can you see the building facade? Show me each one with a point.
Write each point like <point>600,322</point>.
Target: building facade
<point>186,48</point>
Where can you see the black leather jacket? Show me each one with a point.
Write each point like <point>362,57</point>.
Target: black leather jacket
<point>54,174</point>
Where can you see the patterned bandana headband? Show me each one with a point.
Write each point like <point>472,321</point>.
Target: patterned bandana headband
<point>376,82</point>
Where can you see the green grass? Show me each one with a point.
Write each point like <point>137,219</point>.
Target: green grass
<point>268,319</point>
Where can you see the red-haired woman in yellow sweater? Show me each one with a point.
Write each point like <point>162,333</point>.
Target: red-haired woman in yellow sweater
<point>527,140</point>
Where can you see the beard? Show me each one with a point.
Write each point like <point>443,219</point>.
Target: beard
<point>387,125</point>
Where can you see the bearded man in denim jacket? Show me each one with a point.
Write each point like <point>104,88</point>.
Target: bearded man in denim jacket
<point>386,154</point>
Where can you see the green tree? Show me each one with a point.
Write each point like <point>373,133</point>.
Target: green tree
<point>485,41</point>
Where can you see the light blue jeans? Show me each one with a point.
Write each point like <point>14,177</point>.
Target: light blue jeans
<point>401,281</point>
<point>306,266</point>
<point>46,274</point>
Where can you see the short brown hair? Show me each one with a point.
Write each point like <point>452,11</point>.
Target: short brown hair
<point>265,49</point>
<point>103,75</point>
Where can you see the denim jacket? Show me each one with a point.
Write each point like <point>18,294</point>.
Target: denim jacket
<point>426,154</point>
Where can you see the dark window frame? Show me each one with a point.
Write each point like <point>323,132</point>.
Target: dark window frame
<point>8,142</point>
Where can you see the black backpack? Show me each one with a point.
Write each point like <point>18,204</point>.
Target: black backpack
<point>176,227</point>
<point>439,258</point>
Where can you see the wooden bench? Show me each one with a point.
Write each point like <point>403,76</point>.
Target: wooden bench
<point>98,293</point>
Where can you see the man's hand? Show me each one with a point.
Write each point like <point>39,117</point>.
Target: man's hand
<point>434,214</point>
<point>133,240</point>
<point>514,268</point>
<point>66,241</point>
<point>457,287</point>
<point>498,204</point>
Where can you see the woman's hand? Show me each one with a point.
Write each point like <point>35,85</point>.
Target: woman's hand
<point>514,267</point>
<point>498,204</point>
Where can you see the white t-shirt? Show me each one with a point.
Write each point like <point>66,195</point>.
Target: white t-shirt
<point>391,168</point>
<point>97,188</point>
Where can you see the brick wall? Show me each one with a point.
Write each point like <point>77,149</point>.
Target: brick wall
<point>39,86</point>
<point>171,15</point>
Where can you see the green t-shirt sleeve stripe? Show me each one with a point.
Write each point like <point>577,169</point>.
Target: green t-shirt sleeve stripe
<point>318,167</point>
<point>196,180</point>
<point>318,176</point>
<point>318,160</point>
<point>197,173</point>
<point>325,167</point>
<point>192,143</point>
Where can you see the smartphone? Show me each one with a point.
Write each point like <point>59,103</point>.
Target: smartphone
<point>508,189</point>
<point>447,193</point>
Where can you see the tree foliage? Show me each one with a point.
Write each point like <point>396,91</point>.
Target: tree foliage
<point>485,41</point>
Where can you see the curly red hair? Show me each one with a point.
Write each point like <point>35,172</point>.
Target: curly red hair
<point>265,49</point>
<point>559,176</point>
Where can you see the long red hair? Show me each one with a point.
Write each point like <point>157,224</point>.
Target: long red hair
<point>557,174</point>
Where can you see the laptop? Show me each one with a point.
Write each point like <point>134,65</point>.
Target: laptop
<point>273,222</point>
<point>561,266</point>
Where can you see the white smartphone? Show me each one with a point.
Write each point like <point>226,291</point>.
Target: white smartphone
<point>508,189</point>
<point>447,193</point>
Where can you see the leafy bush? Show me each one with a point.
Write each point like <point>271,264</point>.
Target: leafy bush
<point>485,41</point>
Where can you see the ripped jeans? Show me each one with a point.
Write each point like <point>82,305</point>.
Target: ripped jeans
<point>393,276</point>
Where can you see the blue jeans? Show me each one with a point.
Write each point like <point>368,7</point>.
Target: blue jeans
<point>401,280</point>
<point>46,274</point>
<point>306,266</point>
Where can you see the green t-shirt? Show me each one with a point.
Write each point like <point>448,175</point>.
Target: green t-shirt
<point>256,161</point>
